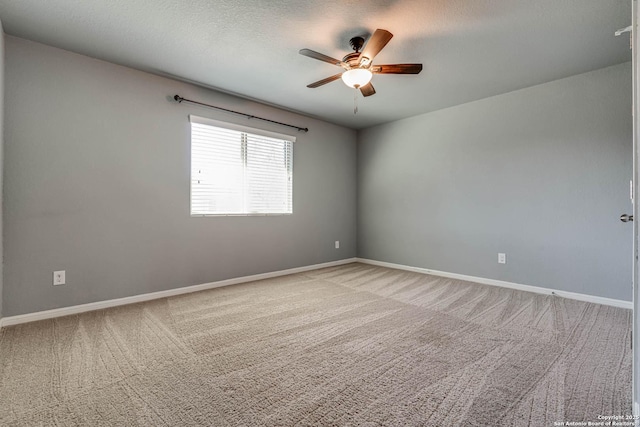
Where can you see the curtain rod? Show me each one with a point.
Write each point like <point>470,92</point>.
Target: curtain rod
<point>249,116</point>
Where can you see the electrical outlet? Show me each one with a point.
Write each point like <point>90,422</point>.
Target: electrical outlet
<point>59,278</point>
<point>337,244</point>
<point>502,258</point>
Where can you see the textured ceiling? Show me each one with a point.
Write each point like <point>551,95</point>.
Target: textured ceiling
<point>471,49</point>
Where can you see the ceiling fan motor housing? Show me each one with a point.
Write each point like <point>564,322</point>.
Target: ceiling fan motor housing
<point>352,59</point>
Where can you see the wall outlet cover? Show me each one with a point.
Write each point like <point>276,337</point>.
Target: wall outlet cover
<point>59,278</point>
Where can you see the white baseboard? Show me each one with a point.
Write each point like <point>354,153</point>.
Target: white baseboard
<point>76,309</point>
<point>501,283</point>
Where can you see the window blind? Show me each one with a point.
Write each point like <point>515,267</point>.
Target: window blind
<point>239,171</point>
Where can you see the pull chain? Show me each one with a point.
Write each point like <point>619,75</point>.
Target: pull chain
<point>355,101</point>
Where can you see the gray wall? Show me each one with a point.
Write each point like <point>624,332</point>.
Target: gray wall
<point>541,174</point>
<point>97,184</point>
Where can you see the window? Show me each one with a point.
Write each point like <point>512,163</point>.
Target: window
<point>236,170</point>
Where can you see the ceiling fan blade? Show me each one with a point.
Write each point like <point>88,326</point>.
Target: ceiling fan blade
<point>378,40</point>
<point>319,56</point>
<point>367,90</point>
<point>325,81</point>
<point>397,69</point>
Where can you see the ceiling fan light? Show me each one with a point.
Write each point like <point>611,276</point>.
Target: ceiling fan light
<point>356,77</point>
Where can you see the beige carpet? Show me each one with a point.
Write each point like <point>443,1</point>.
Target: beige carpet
<point>350,345</point>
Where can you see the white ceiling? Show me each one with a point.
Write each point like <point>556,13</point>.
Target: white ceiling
<point>471,49</point>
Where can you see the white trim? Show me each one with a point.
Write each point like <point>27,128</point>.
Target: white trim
<point>77,309</point>
<point>501,283</point>
<point>99,305</point>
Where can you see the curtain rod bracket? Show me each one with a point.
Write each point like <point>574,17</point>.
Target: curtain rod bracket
<point>179,99</point>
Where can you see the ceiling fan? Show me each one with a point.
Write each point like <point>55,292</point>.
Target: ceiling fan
<point>358,66</point>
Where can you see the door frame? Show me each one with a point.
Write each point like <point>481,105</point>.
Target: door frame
<point>636,138</point>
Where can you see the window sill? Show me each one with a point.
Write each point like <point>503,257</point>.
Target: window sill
<point>247,214</point>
